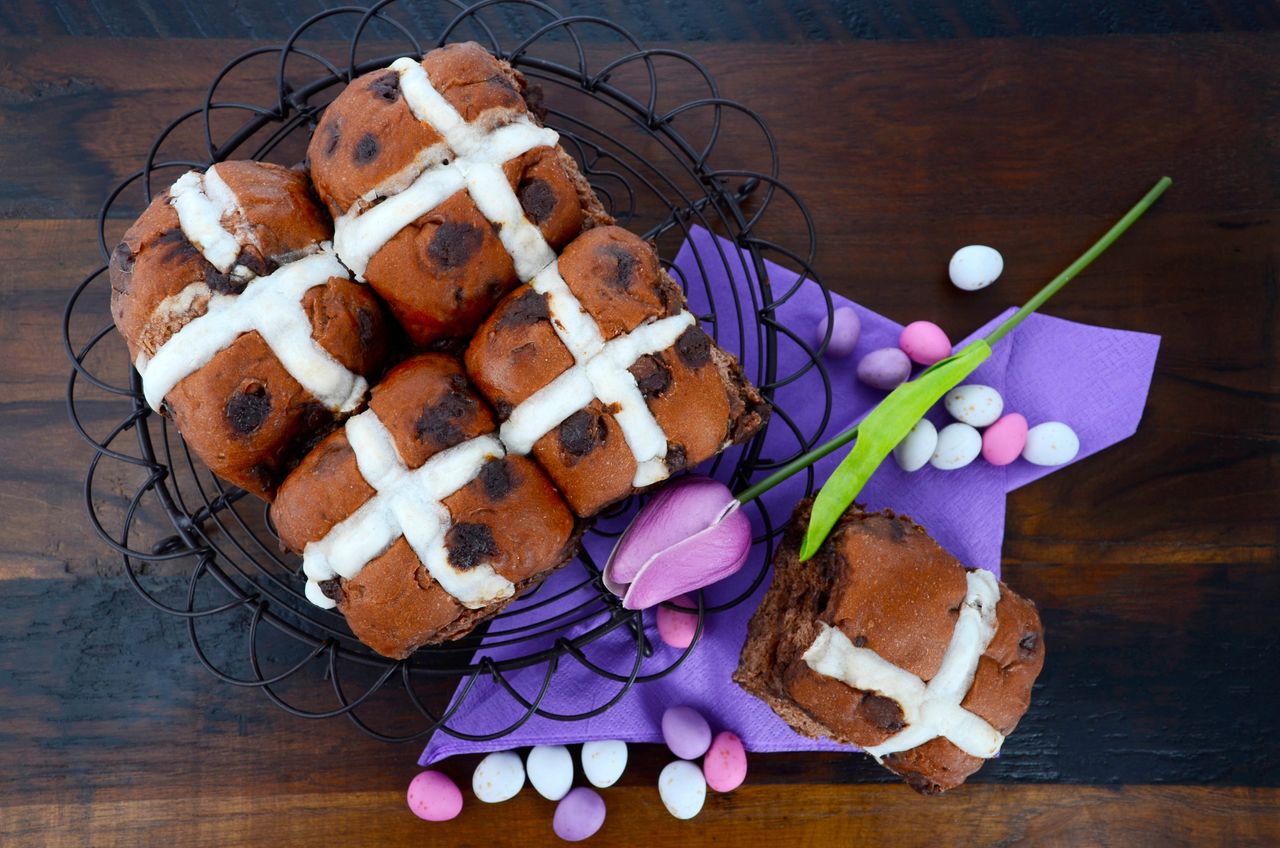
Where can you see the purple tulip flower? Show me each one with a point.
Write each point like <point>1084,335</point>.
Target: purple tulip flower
<point>691,534</point>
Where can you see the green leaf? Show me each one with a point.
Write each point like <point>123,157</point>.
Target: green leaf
<point>880,432</point>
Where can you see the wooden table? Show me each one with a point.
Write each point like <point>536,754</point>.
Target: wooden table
<point>1155,565</point>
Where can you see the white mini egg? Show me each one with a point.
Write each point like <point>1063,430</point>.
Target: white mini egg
<point>603,761</point>
<point>958,445</point>
<point>550,770</point>
<point>915,449</point>
<point>974,404</point>
<point>683,789</point>
<point>1051,443</point>
<point>499,777</point>
<point>975,267</point>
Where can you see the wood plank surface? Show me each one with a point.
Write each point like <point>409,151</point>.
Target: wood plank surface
<point>1155,565</point>
<point>1042,815</point>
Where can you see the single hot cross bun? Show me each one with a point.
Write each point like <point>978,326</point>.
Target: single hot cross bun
<point>884,640</point>
<point>244,326</point>
<point>414,521</point>
<point>646,392</point>
<point>446,190</point>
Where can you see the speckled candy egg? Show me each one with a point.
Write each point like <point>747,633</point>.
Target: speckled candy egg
<point>884,369</point>
<point>603,761</point>
<point>844,333</point>
<point>686,732</point>
<point>1051,443</point>
<point>916,448</point>
<point>498,777</point>
<point>924,342</point>
<point>578,815</point>
<point>725,766</point>
<point>974,404</point>
<point>958,445</point>
<point>434,797</point>
<point>682,788</point>
<point>975,267</point>
<point>550,770</point>
<point>1003,441</point>
<point>676,628</point>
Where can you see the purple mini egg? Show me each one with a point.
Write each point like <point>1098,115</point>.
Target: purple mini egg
<point>844,333</point>
<point>578,815</point>
<point>884,369</point>
<point>686,732</point>
<point>434,797</point>
<point>725,766</point>
<point>924,342</point>
<point>677,628</point>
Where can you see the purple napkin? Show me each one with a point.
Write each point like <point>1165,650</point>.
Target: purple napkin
<point>1092,378</point>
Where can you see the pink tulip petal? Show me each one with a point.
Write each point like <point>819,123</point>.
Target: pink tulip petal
<point>680,510</point>
<point>613,586</point>
<point>694,562</point>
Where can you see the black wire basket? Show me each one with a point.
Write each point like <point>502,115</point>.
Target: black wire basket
<point>205,552</point>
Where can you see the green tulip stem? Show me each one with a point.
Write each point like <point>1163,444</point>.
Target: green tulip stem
<point>1082,262</point>
<point>797,465</point>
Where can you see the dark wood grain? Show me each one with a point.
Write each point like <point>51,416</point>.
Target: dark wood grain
<point>674,20</point>
<point>1042,815</point>
<point>1155,565</point>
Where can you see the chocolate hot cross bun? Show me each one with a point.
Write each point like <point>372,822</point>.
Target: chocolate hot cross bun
<point>446,190</point>
<point>884,640</point>
<point>601,374</point>
<point>414,521</point>
<point>245,327</point>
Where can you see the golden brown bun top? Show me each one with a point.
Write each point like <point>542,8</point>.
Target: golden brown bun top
<point>898,593</point>
<point>369,134</point>
<point>616,276</point>
<point>155,260</point>
<point>426,404</point>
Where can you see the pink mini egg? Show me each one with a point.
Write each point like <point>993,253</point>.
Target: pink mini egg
<point>434,797</point>
<point>1004,440</point>
<point>725,765</point>
<point>677,628</point>
<point>924,342</point>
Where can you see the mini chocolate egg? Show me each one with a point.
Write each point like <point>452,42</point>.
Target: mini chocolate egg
<point>884,369</point>
<point>958,445</point>
<point>1051,443</point>
<point>844,333</point>
<point>682,788</point>
<point>924,342</point>
<point>686,732</point>
<point>1004,440</point>
<point>676,628</point>
<point>725,766</point>
<point>550,770</point>
<point>498,777</point>
<point>916,448</point>
<point>974,404</point>
<point>603,761</point>
<point>975,267</point>
<point>434,797</point>
<point>578,815</point>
